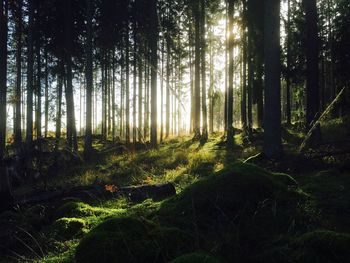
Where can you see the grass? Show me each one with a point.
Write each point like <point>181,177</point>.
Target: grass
<point>223,209</point>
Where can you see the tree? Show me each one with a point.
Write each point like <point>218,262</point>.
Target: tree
<point>288,79</point>
<point>89,80</point>
<point>203,69</point>
<point>30,73</point>
<point>197,72</point>
<point>3,75</point>
<point>272,121</point>
<point>312,53</point>
<point>71,128</point>
<point>17,10</point>
<point>230,43</point>
<point>154,69</point>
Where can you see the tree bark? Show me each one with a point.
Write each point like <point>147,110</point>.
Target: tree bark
<point>272,121</point>
<point>230,130</point>
<point>197,85</point>
<point>203,69</point>
<point>312,53</point>
<point>154,69</point>
<point>71,128</point>
<point>18,35</point>
<point>3,74</point>
<point>30,73</point>
<point>89,80</point>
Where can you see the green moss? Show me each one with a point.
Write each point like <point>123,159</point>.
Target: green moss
<point>195,258</point>
<point>323,246</point>
<point>80,209</point>
<point>238,208</point>
<point>67,228</point>
<point>132,240</point>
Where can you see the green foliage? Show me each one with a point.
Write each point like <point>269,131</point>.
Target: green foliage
<point>131,239</point>
<point>195,258</point>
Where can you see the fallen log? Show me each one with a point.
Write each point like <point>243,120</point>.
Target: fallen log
<point>134,193</point>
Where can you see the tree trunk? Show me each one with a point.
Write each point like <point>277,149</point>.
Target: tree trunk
<point>134,125</point>
<point>30,73</point>
<point>272,121</point>
<point>312,52</point>
<point>3,75</point>
<point>140,66</point>
<point>288,81</point>
<point>127,87</point>
<point>154,69</point>
<point>38,90</point>
<point>18,36</point>
<point>244,73</point>
<point>230,131</point>
<point>203,69</point>
<point>167,101</point>
<point>89,80</point>
<point>59,105</point>
<point>46,94</point>
<point>197,85</point>
<point>71,128</point>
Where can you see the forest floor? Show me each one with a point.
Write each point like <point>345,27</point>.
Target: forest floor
<point>230,206</point>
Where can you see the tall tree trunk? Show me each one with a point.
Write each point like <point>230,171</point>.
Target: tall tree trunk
<point>3,75</point>
<point>89,80</point>
<point>230,43</point>
<point>288,81</point>
<point>113,96</point>
<point>244,73</point>
<point>162,93</point>
<point>71,128</point>
<point>46,93</point>
<point>30,73</point>
<point>154,69</point>
<point>197,85</point>
<point>134,121</point>
<point>18,36</point>
<point>312,52</point>
<point>272,121</point>
<point>127,87</point>
<point>211,86</point>
<point>140,66</point>
<point>167,100</point>
<point>59,105</point>
<point>203,69</point>
<point>250,64</point>
<point>38,91</point>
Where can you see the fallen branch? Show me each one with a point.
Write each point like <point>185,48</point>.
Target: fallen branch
<point>317,122</point>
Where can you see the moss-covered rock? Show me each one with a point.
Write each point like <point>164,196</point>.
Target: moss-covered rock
<point>323,246</point>
<point>68,228</point>
<point>196,258</point>
<point>238,209</point>
<point>132,240</point>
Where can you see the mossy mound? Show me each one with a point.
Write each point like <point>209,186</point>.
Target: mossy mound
<point>132,240</point>
<point>323,246</point>
<point>237,210</point>
<point>68,228</point>
<point>195,258</point>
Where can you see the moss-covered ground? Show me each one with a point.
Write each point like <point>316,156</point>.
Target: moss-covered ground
<point>227,208</point>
